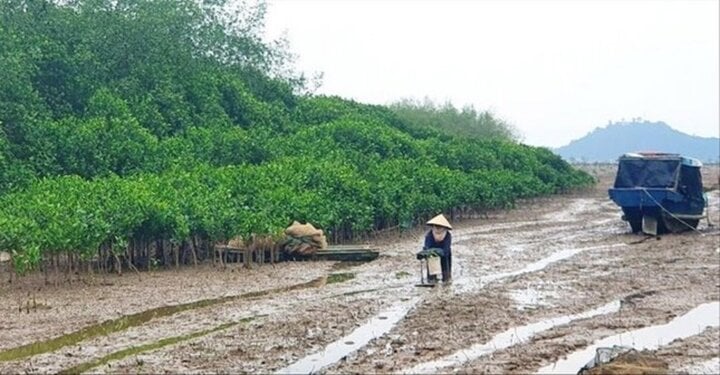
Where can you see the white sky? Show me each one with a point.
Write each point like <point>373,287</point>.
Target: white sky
<point>553,69</point>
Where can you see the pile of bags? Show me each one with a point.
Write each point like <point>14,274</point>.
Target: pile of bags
<point>236,242</point>
<point>304,239</point>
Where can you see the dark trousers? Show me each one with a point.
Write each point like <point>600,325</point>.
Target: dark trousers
<point>446,266</point>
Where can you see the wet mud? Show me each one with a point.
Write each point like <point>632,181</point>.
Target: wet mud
<point>527,286</point>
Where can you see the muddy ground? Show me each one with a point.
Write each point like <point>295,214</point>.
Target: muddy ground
<point>549,258</point>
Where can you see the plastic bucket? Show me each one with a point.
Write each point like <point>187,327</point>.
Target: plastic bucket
<point>434,266</point>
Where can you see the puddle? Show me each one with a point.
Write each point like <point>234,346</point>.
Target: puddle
<point>133,320</point>
<point>374,328</point>
<point>506,339</point>
<point>470,283</point>
<point>690,324</point>
<point>384,322</point>
<point>83,367</point>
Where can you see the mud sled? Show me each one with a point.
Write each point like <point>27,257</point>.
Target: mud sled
<point>430,268</point>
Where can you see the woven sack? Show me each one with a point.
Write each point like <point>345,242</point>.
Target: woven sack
<point>236,242</point>
<point>301,230</point>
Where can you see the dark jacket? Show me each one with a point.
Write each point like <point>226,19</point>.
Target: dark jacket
<point>444,244</point>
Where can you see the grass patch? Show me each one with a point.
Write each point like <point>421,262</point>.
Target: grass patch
<point>401,274</point>
<point>133,320</point>
<point>340,277</point>
<point>83,367</point>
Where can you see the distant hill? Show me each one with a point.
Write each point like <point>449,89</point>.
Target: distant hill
<point>606,144</point>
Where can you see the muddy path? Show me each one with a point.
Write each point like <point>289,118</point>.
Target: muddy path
<point>565,266</point>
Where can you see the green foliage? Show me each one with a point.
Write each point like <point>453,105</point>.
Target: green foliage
<point>111,141</point>
<point>178,63</point>
<point>13,174</point>
<point>145,120</point>
<point>466,122</point>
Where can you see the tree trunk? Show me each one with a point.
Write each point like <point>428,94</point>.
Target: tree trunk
<point>176,251</point>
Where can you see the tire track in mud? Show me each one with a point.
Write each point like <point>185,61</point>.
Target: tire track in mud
<point>679,279</point>
<point>147,330</point>
<point>510,337</point>
<point>494,254</point>
<point>92,300</point>
<point>596,223</point>
<point>340,349</point>
<point>601,223</point>
<point>690,324</point>
<point>219,313</point>
<point>85,366</point>
<point>120,345</point>
<point>375,327</point>
<point>133,320</point>
<point>261,346</point>
<point>566,218</point>
<point>459,271</point>
<point>647,338</point>
<point>468,287</point>
<point>599,226</point>
<point>463,284</point>
<point>469,284</point>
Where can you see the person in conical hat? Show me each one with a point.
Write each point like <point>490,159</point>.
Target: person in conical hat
<point>439,237</point>
<point>440,221</point>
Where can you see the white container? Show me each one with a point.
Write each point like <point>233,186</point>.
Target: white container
<point>434,266</point>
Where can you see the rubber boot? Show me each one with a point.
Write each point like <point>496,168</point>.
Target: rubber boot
<point>446,264</point>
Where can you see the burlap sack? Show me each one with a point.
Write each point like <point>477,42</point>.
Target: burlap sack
<point>236,242</point>
<point>292,228</point>
<point>304,239</point>
<point>323,243</point>
<point>320,240</point>
<point>301,230</point>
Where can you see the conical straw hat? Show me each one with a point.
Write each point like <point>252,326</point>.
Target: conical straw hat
<point>441,221</point>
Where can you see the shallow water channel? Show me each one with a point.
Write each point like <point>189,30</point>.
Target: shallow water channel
<point>506,339</point>
<point>690,324</point>
<point>133,320</point>
<point>386,320</point>
<point>471,283</point>
<point>375,327</point>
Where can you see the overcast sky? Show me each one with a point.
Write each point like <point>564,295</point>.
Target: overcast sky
<point>553,69</point>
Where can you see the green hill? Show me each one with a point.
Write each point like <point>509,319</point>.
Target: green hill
<point>147,130</point>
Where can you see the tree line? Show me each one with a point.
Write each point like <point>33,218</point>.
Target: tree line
<point>141,131</point>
